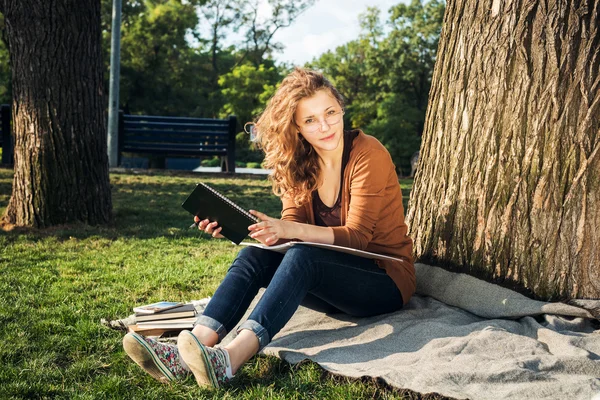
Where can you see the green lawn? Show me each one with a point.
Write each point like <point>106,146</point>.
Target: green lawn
<point>56,285</point>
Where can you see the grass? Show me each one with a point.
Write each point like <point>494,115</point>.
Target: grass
<point>56,284</point>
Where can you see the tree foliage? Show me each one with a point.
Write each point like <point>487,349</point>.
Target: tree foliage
<point>246,89</point>
<point>173,54</point>
<point>175,60</point>
<point>218,15</point>
<point>161,73</point>
<point>259,32</point>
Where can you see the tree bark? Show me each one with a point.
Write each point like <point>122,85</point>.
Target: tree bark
<point>508,183</point>
<point>61,162</point>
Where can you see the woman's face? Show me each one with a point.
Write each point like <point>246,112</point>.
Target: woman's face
<point>319,120</point>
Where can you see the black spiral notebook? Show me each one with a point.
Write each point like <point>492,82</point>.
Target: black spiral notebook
<point>207,203</point>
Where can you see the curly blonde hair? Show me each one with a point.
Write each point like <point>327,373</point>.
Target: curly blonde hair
<point>294,163</point>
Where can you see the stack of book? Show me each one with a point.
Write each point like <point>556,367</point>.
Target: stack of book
<point>158,318</point>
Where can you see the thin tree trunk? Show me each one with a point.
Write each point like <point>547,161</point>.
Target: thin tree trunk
<point>61,162</point>
<point>508,184</point>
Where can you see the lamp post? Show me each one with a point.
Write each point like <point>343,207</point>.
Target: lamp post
<point>113,97</point>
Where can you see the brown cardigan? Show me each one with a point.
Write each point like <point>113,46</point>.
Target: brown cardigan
<point>372,214</point>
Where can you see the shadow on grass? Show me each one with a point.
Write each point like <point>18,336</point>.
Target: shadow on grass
<point>148,205</point>
<point>270,371</point>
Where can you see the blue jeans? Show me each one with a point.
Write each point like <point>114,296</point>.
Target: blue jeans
<point>322,279</point>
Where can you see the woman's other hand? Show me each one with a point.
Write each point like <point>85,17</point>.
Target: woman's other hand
<point>269,230</point>
<point>209,227</point>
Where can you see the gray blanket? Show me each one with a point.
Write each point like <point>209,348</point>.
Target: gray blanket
<point>460,337</point>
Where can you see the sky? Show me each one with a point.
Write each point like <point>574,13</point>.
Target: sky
<point>325,26</point>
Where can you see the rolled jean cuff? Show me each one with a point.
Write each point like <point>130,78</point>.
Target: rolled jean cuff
<point>212,324</point>
<point>260,332</point>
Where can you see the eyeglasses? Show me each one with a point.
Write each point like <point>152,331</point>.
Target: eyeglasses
<point>311,125</point>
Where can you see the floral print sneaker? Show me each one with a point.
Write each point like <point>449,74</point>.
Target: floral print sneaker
<point>210,366</point>
<point>160,360</point>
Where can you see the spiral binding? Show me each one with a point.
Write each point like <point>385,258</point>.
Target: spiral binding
<point>230,203</point>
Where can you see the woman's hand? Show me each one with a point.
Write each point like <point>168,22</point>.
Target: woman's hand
<point>211,228</point>
<point>269,230</point>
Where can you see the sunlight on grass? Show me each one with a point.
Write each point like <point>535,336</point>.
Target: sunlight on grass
<point>56,285</point>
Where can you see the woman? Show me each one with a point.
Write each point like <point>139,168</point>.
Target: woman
<point>336,187</point>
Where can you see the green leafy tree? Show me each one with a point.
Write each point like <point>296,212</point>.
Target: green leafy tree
<point>246,90</point>
<point>219,15</point>
<point>259,32</point>
<point>411,48</point>
<point>398,125</point>
<point>170,65</point>
<point>130,11</point>
<point>161,73</point>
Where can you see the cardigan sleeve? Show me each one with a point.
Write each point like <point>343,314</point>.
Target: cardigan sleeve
<point>291,212</point>
<point>368,184</point>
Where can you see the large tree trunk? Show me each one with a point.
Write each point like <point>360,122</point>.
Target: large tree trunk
<point>508,184</point>
<point>61,162</point>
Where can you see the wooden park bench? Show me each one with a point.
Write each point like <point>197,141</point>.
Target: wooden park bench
<point>162,137</point>
<point>5,137</point>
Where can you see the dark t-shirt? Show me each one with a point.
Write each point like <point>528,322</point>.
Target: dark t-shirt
<point>330,216</point>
